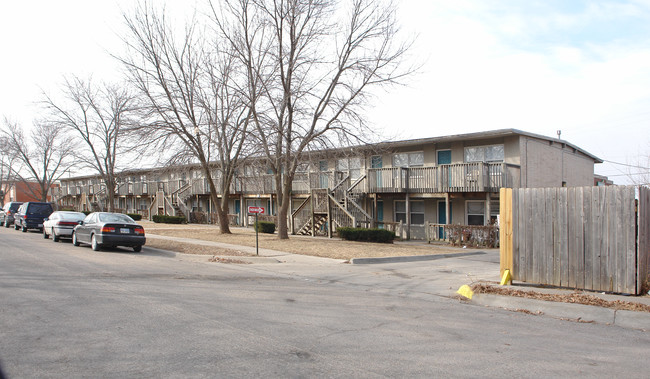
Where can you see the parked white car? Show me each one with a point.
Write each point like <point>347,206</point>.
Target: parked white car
<point>60,224</point>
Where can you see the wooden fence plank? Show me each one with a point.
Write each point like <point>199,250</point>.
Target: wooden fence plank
<point>529,225</point>
<point>610,235</point>
<point>506,230</point>
<point>630,241</point>
<point>523,236</point>
<point>548,234</point>
<point>643,249</point>
<point>538,237</point>
<point>563,219</point>
<point>587,231</point>
<point>580,238</point>
<point>596,236</point>
<point>515,232</point>
<point>557,233</point>
<point>619,255</point>
<point>571,216</point>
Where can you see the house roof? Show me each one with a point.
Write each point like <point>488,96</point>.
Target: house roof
<point>403,143</point>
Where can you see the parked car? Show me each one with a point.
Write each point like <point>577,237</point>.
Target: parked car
<point>109,229</point>
<point>8,211</point>
<point>30,215</point>
<point>60,224</point>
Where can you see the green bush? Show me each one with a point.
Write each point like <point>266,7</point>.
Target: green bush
<point>164,219</point>
<point>86,212</point>
<point>135,216</point>
<point>265,227</point>
<point>366,235</point>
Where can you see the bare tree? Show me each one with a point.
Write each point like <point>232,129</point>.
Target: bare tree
<point>98,116</point>
<point>316,62</point>
<point>42,159</point>
<point>7,162</point>
<point>194,108</point>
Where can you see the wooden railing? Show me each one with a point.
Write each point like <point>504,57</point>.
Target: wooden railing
<point>464,177</point>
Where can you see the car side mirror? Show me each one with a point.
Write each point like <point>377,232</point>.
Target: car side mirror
<point>80,222</point>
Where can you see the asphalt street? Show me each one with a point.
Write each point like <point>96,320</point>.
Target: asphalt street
<point>71,312</point>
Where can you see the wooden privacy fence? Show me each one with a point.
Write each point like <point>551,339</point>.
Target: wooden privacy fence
<point>582,237</point>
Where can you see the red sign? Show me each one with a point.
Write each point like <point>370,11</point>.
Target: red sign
<point>255,210</point>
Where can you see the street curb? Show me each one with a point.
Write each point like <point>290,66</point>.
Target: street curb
<point>576,312</point>
<point>411,258</point>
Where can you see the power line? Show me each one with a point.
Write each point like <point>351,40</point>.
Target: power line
<point>626,165</point>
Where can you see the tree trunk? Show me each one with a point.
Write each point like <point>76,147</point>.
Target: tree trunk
<point>222,210</point>
<point>283,213</point>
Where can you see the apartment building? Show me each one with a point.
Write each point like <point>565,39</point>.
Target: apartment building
<point>400,185</point>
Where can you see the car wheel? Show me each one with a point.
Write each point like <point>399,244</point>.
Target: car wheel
<point>6,223</point>
<point>16,226</point>
<point>45,236</point>
<point>24,229</point>
<point>74,239</point>
<point>55,238</point>
<point>93,243</point>
<point>137,249</point>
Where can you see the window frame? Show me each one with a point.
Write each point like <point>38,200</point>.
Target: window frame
<point>412,213</point>
<point>484,149</point>
<point>467,214</point>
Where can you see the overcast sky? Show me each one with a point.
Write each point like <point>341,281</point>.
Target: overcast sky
<point>582,67</point>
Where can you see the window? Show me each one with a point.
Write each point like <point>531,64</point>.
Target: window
<point>475,212</point>
<point>408,159</point>
<point>352,166</point>
<point>417,212</point>
<point>492,153</point>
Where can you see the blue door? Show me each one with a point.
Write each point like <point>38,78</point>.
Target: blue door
<point>237,209</point>
<point>442,217</point>
<point>444,157</point>
<point>380,213</point>
<point>376,162</point>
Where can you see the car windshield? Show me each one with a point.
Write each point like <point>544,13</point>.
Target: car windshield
<point>40,208</point>
<point>114,217</point>
<point>71,216</point>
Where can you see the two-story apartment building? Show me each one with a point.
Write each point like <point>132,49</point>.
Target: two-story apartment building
<point>449,179</point>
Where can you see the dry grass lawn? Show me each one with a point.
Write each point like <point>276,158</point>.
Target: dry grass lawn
<point>321,247</point>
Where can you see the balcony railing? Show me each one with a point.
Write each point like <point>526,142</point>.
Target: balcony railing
<point>465,177</point>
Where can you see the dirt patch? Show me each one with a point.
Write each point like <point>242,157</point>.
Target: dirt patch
<point>314,246</point>
<point>193,248</point>
<point>576,298</point>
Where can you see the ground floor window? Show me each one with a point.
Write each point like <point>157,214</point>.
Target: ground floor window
<point>417,212</point>
<point>475,212</point>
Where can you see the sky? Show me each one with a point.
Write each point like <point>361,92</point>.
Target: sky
<point>582,67</point>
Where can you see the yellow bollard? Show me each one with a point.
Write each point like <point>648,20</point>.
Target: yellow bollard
<point>506,278</point>
<point>466,291</point>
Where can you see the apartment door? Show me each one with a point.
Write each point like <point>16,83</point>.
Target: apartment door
<point>237,209</point>
<point>380,213</point>
<point>442,217</point>
<point>376,162</point>
<point>443,157</point>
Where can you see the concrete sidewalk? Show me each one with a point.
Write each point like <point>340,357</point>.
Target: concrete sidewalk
<point>429,275</point>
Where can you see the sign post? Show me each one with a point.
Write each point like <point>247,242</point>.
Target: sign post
<point>256,211</point>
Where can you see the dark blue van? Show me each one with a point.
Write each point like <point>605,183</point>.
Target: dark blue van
<point>30,215</point>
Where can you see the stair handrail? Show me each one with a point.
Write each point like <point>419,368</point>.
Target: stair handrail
<point>356,183</point>
<point>295,213</point>
<point>358,207</point>
<point>354,221</point>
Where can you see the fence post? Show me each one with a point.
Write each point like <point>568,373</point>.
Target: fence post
<point>505,230</point>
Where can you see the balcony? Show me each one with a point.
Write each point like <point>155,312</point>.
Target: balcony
<point>465,177</point>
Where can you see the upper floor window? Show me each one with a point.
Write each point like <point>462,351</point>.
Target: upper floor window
<point>415,159</point>
<point>490,153</point>
<point>351,166</point>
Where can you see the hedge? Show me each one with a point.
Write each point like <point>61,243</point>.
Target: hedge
<point>265,227</point>
<point>135,216</point>
<point>366,235</point>
<point>168,219</point>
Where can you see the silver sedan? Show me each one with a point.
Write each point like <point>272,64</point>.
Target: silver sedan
<point>60,224</point>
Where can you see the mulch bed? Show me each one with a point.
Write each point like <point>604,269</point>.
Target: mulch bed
<point>575,297</point>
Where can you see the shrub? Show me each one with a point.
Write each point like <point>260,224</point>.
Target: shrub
<point>265,227</point>
<point>366,235</point>
<point>86,212</point>
<point>135,216</point>
<point>164,219</point>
